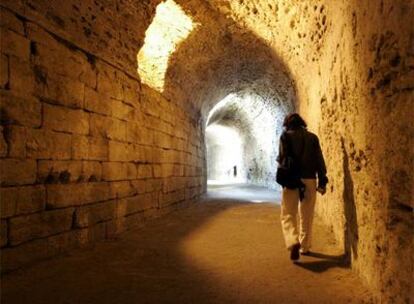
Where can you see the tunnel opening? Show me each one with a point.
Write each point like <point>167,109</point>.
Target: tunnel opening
<point>242,141</point>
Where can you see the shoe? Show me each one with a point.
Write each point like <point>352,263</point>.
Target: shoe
<point>294,252</point>
<point>307,252</point>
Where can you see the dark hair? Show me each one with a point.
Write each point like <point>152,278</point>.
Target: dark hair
<point>294,121</point>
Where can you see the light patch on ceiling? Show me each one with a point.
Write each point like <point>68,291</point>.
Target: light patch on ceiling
<point>169,28</point>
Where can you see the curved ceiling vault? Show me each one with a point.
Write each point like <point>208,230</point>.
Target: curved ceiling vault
<point>201,57</point>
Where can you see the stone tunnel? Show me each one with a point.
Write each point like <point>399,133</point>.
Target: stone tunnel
<point>116,114</point>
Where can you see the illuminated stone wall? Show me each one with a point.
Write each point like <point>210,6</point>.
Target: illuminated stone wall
<point>352,62</point>
<point>79,127</point>
<point>87,151</point>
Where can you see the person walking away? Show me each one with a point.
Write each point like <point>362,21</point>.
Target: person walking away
<point>303,151</point>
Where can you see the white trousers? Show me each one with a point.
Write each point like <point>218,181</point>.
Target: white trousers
<point>290,206</point>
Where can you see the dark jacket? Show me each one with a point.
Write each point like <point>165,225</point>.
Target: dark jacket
<point>306,151</point>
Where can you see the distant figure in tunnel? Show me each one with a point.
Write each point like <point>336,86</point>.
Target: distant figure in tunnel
<point>300,163</point>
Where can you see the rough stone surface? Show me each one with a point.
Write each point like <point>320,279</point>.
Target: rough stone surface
<point>77,144</point>
<point>70,92</point>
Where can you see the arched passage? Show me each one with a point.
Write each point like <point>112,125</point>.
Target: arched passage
<point>89,148</point>
<point>258,121</point>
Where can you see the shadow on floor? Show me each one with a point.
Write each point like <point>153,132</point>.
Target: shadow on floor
<point>212,252</point>
<point>324,263</point>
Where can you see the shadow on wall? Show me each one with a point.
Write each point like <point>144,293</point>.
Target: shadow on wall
<point>351,222</point>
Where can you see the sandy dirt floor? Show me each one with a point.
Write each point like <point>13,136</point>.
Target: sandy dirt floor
<point>217,251</point>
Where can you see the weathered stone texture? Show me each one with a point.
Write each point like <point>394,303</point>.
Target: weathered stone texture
<point>24,111</point>
<point>3,233</point>
<point>59,171</point>
<point>76,194</point>
<point>14,44</point>
<point>63,119</point>
<point>4,71</point>
<point>21,200</point>
<point>44,144</point>
<point>93,214</point>
<point>28,227</point>
<point>17,172</point>
<point>113,152</point>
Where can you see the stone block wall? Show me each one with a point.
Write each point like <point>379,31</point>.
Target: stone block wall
<point>86,150</point>
<point>352,64</point>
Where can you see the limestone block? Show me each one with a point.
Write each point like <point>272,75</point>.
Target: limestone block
<point>44,144</point>
<point>191,193</point>
<point>4,71</point>
<point>91,171</point>
<point>17,172</point>
<point>21,200</point>
<point>89,75</point>
<point>121,110</point>
<point>173,184</point>
<point>80,147</point>
<point>16,139</point>
<point>178,170</point>
<point>131,170</point>
<point>108,82</point>
<point>28,227</point>
<point>164,170</point>
<point>74,66</point>
<point>3,143</point>
<point>144,171</point>
<point>90,215</point>
<point>120,151</point>
<point>132,92</point>
<point>89,148</point>
<point>14,44</point>
<point>107,127</point>
<point>40,36</point>
<point>54,171</point>
<point>9,21</point>
<point>142,186</point>
<point>138,203</point>
<point>162,140</point>
<point>136,133</point>
<point>65,195</point>
<point>139,153</point>
<point>63,119</point>
<point>3,233</point>
<point>24,111</point>
<point>169,198</point>
<point>98,149</point>
<point>112,171</point>
<point>64,91</point>
<point>157,171</point>
<point>22,77</point>
<point>152,154</point>
<point>190,171</point>
<point>170,156</point>
<point>122,189</point>
<point>97,103</point>
<point>178,144</point>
